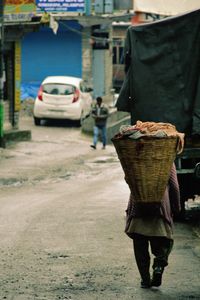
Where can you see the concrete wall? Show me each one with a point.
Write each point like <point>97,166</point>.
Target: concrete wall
<point>86,55</point>
<point>109,66</point>
<point>87,60</point>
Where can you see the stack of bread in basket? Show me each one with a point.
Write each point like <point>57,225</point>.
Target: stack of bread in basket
<point>146,152</point>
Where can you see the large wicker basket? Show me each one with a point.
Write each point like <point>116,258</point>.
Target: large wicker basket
<point>146,163</point>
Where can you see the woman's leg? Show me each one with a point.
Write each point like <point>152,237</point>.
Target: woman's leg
<point>161,248</point>
<point>142,257</point>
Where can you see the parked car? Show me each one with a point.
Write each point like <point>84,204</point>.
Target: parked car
<point>62,97</point>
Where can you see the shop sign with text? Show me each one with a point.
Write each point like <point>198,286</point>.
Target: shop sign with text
<point>19,10</point>
<point>61,5</point>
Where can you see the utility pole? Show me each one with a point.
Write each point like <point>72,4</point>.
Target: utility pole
<point>1,71</point>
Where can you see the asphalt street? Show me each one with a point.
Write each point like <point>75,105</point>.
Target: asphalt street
<point>62,212</point>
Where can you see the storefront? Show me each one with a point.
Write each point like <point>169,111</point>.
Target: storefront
<point>18,21</point>
<point>45,53</point>
<point>14,34</point>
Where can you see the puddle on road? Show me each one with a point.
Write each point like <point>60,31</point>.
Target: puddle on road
<point>16,182</point>
<point>58,256</point>
<point>88,168</point>
<point>103,160</point>
<point>8,156</point>
<point>12,181</point>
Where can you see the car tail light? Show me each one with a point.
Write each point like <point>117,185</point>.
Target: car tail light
<point>76,96</point>
<point>40,93</point>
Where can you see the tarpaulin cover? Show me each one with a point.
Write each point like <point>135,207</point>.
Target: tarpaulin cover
<point>162,66</point>
<point>29,90</point>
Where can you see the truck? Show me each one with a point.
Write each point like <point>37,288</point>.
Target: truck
<point>162,84</point>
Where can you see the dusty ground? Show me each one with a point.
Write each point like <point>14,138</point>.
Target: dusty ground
<point>62,219</point>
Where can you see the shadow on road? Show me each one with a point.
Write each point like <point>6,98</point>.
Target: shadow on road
<point>60,123</point>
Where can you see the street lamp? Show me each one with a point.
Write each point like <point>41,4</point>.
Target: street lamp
<point>1,70</point>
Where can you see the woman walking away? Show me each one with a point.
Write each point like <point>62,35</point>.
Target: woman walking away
<point>154,228</point>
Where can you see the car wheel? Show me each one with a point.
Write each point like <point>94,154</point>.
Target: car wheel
<point>78,123</point>
<point>37,121</point>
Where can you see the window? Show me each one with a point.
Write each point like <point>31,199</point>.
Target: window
<point>58,89</point>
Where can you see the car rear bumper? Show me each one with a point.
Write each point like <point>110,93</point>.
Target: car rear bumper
<point>45,111</point>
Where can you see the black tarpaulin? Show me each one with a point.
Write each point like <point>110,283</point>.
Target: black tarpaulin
<point>162,65</point>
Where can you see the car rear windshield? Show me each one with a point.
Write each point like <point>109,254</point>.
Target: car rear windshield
<point>58,89</point>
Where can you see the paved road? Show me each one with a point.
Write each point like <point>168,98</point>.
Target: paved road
<point>62,221</point>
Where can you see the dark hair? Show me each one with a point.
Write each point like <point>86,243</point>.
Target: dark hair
<point>99,99</point>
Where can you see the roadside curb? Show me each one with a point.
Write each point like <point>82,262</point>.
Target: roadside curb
<point>13,136</point>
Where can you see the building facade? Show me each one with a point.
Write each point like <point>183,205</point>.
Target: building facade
<point>75,40</point>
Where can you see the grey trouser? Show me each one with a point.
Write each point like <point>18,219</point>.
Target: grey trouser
<point>160,248</point>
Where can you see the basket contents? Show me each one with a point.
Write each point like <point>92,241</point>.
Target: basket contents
<point>146,152</point>
<point>141,129</point>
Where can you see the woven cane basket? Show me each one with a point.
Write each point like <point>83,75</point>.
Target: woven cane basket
<point>146,163</point>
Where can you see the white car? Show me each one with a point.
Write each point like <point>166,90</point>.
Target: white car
<point>62,97</point>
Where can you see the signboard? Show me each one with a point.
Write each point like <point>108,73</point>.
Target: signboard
<point>19,10</point>
<point>61,6</point>
<point>24,10</point>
